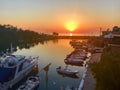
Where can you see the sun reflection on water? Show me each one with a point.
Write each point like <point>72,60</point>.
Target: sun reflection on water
<point>71,34</point>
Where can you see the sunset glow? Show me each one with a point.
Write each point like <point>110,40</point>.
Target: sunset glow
<point>78,16</point>
<point>71,25</point>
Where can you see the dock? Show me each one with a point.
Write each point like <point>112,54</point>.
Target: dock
<point>88,81</point>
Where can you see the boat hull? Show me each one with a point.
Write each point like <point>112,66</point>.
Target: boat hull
<point>76,63</point>
<point>65,72</point>
<point>21,75</point>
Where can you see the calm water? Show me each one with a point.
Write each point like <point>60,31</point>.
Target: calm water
<point>53,52</point>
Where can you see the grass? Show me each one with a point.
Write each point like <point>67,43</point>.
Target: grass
<point>107,71</point>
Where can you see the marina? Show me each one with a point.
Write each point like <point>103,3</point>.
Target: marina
<point>59,45</point>
<point>15,68</point>
<point>51,79</point>
<point>71,66</point>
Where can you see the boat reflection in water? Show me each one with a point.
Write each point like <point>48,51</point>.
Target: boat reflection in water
<point>68,88</point>
<point>51,80</point>
<point>70,76</point>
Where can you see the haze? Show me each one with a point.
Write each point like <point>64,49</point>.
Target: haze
<point>51,15</point>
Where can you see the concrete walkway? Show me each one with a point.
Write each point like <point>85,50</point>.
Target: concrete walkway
<point>89,81</point>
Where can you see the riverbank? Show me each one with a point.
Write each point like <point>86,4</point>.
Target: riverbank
<point>89,81</point>
<point>76,37</point>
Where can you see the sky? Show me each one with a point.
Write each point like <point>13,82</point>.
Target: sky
<point>62,16</point>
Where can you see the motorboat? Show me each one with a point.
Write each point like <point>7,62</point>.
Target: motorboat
<point>14,68</point>
<point>66,71</point>
<point>31,84</point>
<point>77,62</point>
<point>76,57</point>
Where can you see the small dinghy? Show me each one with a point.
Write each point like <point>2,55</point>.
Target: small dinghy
<point>31,83</point>
<point>66,71</point>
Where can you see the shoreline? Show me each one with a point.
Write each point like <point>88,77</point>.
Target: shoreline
<point>88,81</point>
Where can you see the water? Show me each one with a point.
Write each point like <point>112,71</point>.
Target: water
<point>53,52</point>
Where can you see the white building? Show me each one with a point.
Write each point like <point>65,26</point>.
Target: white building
<point>110,35</point>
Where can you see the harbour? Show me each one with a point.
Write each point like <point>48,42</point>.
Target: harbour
<point>70,63</point>
<point>57,52</point>
<point>59,45</point>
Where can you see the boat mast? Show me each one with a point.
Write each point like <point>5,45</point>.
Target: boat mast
<point>11,49</point>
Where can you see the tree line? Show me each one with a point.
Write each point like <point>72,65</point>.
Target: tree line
<point>17,36</point>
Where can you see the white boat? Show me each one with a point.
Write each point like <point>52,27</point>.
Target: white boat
<point>14,68</point>
<point>31,83</point>
<point>66,71</point>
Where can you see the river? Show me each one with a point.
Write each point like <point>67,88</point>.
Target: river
<point>53,52</point>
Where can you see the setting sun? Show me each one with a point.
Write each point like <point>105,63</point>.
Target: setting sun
<point>71,25</point>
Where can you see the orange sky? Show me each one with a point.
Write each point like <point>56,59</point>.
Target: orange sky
<point>52,15</point>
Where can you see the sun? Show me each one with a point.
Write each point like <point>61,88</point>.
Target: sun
<point>71,25</point>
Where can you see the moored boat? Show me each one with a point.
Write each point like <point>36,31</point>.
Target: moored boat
<point>14,68</point>
<point>78,62</point>
<point>31,83</point>
<point>66,71</point>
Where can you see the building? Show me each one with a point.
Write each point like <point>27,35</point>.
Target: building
<point>115,32</point>
<point>116,29</point>
<point>110,35</point>
<point>113,36</point>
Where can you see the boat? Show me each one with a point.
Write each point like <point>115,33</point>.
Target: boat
<point>73,42</point>
<point>66,71</point>
<point>76,56</point>
<point>69,76</point>
<point>78,62</point>
<point>31,84</point>
<point>14,68</point>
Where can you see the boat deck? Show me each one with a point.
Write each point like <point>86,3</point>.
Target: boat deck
<point>3,87</point>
